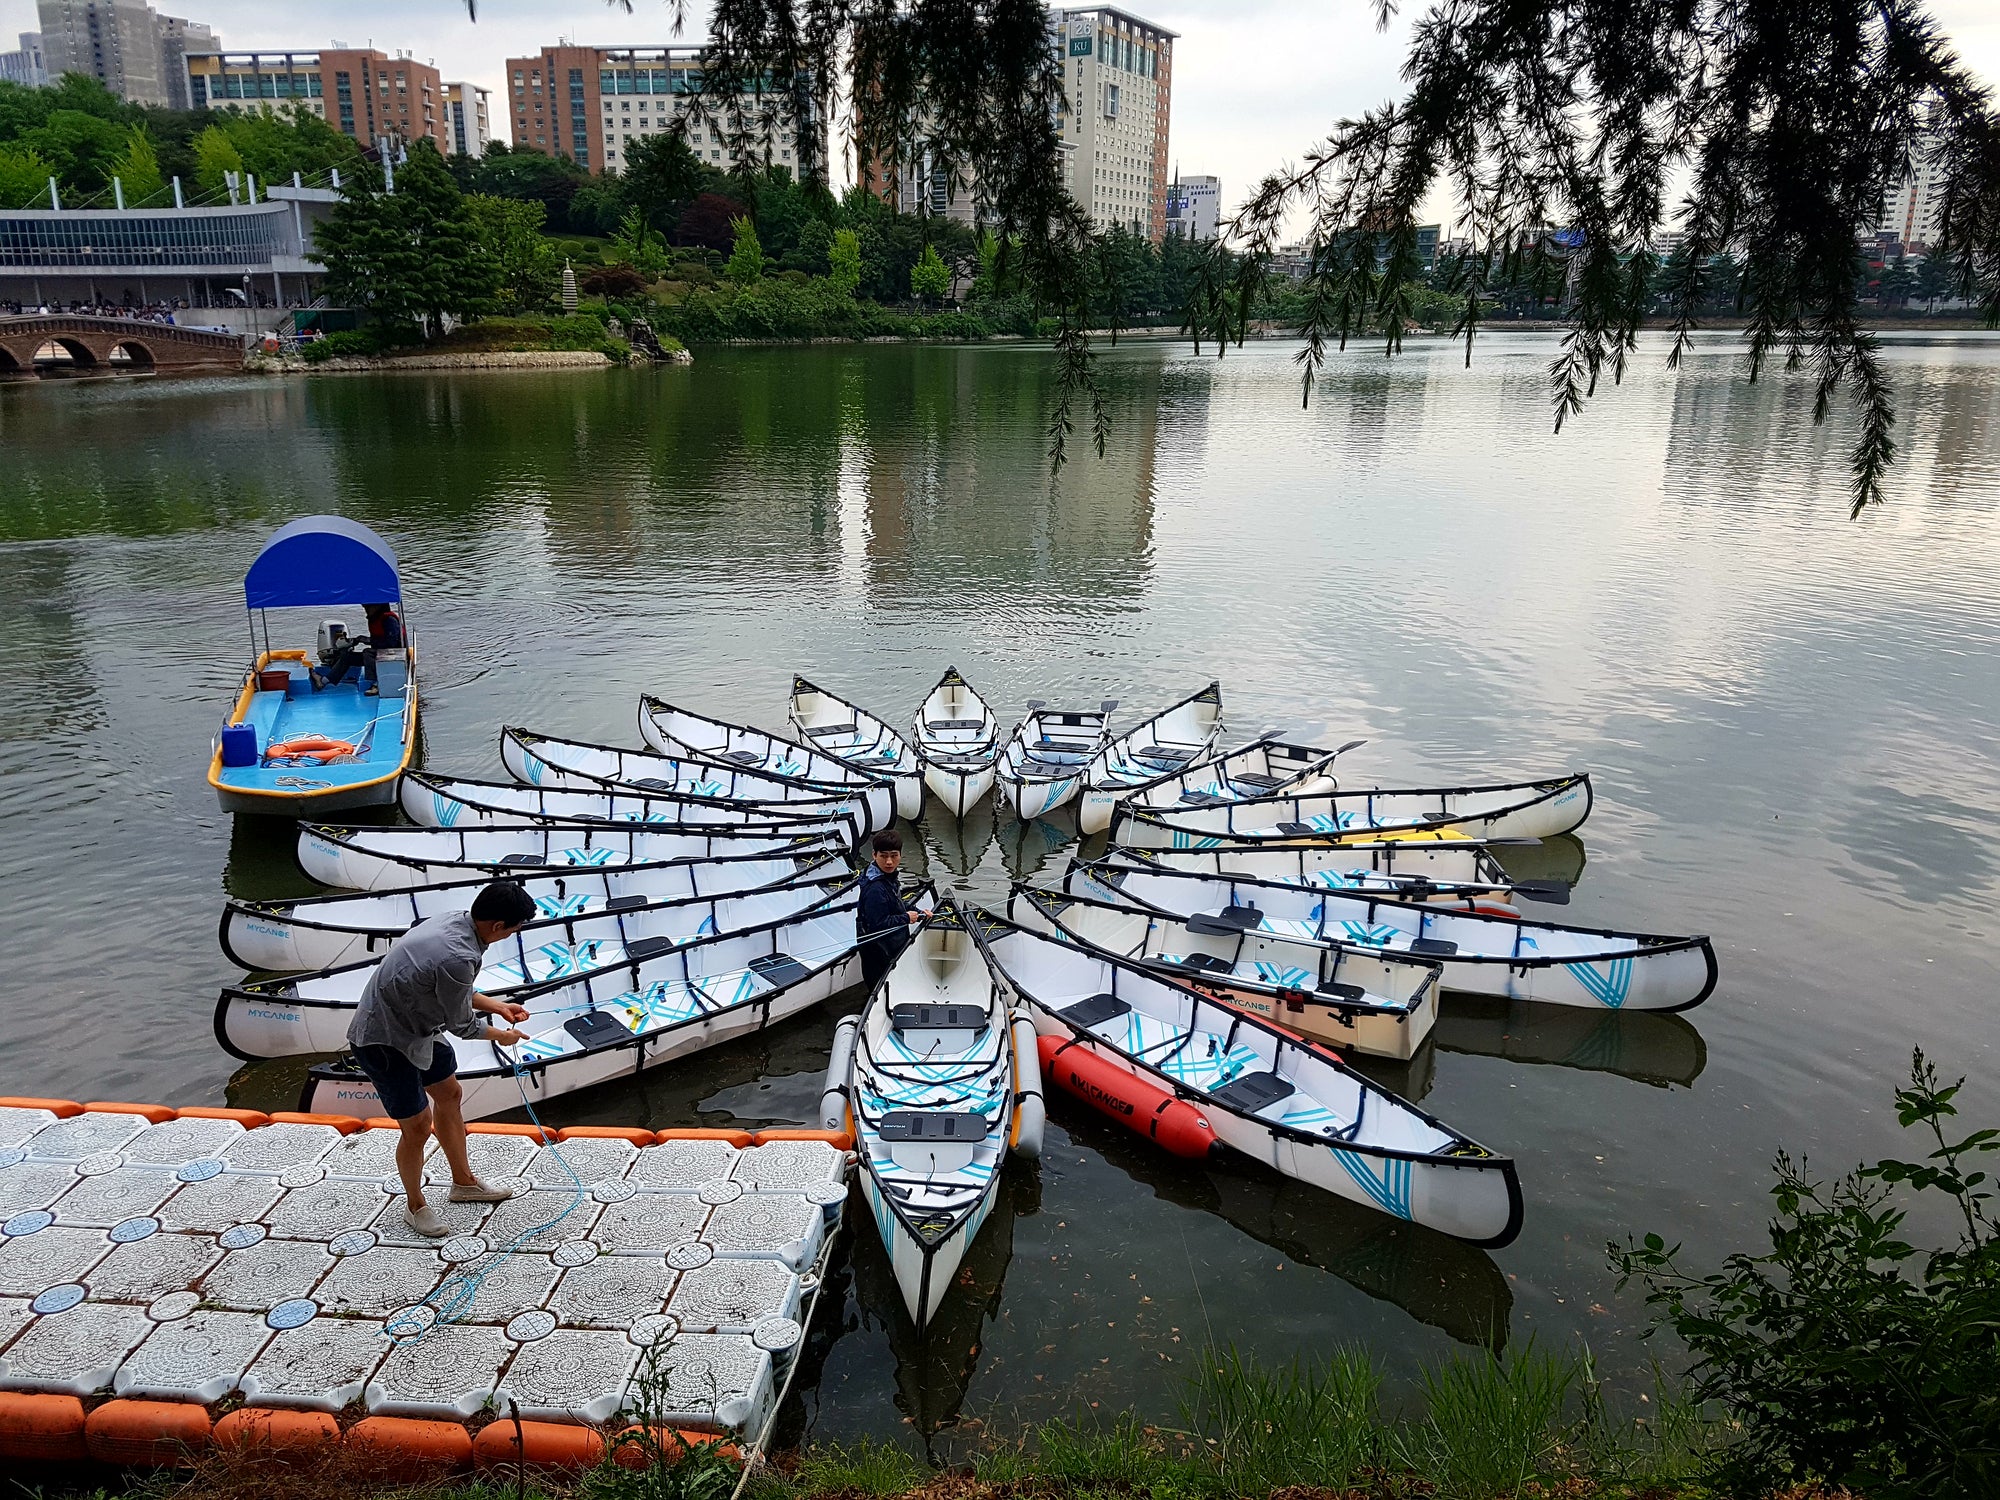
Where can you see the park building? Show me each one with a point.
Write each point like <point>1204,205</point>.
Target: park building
<point>591,105</point>
<point>360,92</point>
<point>124,44</point>
<point>467,120</point>
<point>238,264</point>
<point>26,65</point>
<point>1194,207</point>
<point>1114,114</point>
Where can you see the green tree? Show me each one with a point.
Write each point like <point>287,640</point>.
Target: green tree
<point>273,144</point>
<point>411,256</point>
<point>528,271</point>
<point>638,247</point>
<point>930,277</point>
<point>1933,281</point>
<point>746,261</point>
<point>663,176</point>
<point>138,170</point>
<point>83,148</point>
<point>1897,283</point>
<point>24,177</point>
<point>215,157</point>
<point>522,172</point>
<point>844,262</point>
<point>809,253</point>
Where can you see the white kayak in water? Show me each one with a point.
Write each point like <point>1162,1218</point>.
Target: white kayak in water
<point>1042,765</point>
<point>1279,1100</point>
<point>324,932</point>
<point>1153,751</point>
<point>683,732</point>
<point>611,1025</point>
<point>300,1014</point>
<point>1263,768</point>
<point>1524,809</point>
<point>463,802</point>
<point>394,858</point>
<point>1484,952</point>
<point>857,738</point>
<point>958,739</point>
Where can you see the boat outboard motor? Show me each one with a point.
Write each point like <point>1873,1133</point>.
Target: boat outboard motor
<point>331,634</point>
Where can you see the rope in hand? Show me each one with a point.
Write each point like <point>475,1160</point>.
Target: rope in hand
<point>452,1298</point>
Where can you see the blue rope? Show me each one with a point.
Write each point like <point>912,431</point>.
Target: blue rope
<point>452,1298</point>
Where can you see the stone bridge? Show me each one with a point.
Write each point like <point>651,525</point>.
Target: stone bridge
<point>113,346</point>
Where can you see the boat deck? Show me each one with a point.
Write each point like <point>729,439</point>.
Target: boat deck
<point>375,726</point>
<point>158,1257</point>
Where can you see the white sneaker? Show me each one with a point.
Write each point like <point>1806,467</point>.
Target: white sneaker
<point>479,1192</point>
<point>427,1221</point>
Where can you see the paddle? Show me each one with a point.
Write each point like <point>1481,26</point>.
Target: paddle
<point>1554,892</point>
<point>1350,745</point>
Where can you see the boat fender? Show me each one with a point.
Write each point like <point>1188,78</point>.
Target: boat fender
<point>1125,1097</point>
<point>1495,908</point>
<point>833,1097</point>
<point>1030,1111</point>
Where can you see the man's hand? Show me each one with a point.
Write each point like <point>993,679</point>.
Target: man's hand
<point>511,1012</point>
<point>506,1036</point>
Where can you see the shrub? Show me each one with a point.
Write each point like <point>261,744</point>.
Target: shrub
<point>612,281</point>
<point>350,343</point>
<point>1846,1353</point>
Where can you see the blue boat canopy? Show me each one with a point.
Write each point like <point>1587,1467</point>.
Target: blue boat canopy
<point>322,560</point>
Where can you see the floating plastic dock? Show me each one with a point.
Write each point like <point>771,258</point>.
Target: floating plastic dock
<point>155,1262</point>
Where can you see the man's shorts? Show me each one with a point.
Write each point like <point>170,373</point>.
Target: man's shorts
<point>398,1080</point>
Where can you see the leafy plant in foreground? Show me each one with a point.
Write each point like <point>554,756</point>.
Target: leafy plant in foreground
<point>1847,1353</point>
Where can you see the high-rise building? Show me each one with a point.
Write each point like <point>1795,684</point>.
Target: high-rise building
<point>359,92</point>
<point>133,51</point>
<point>1911,207</point>
<point>1116,104</point>
<point>26,67</point>
<point>1194,207</point>
<point>590,105</point>
<point>466,119</point>
<point>177,39</point>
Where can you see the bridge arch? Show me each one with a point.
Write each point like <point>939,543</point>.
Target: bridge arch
<point>129,355</point>
<point>63,352</point>
<point>8,364</point>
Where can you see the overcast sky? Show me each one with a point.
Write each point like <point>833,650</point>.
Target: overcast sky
<point>1255,81</point>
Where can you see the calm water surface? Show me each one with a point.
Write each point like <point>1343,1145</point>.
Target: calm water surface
<point>1791,719</point>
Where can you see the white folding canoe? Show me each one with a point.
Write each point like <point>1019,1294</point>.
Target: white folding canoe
<point>300,1014</point>
<point>463,802</point>
<point>395,858</point>
<point>1521,810</point>
<point>612,1025</point>
<point>1161,748</point>
<point>683,732</point>
<point>857,738</point>
<point>1263,768</point>
<point>1043,762</point>
<point>958,740</point>
<point>1282,1101</point>
<point>1417,871</point>
<point>1483,953</point>
<point>545,760</point>
<point>324,932</point>
<point>933,1093</point>
<point>1343,994</point>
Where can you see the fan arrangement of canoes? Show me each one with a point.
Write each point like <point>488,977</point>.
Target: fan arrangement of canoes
<point>1248,915</point>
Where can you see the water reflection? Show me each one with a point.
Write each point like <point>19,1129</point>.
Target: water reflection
<point>1644,1046</point>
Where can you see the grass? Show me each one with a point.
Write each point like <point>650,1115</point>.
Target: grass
<point>1526,1424</point>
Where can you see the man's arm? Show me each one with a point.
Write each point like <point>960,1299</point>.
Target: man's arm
<point>505,1009</point>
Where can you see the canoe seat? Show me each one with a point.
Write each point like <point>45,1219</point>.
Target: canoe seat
<point>934,1125</point>
<point>1199,962</point>
<point>937,1017</point>
<point>1433,947</point>
<point>778,969</point>
<point>654,784</point>
<point>1034,765</point>
<point>1257,781</point>
<point>828,731</point>
<point>742,757</point>
<point>1298,830</point>
<point>1074,745</point>
<point>1252,1092</point>
<point>1337,991</point>
<point>1166,756</point>
<point>625,903</point>
<point>1438,817</point>
<point>1203,799</point>
<point>1095,1011</point>
<point>596,1028</point>
<point>520,859</point>
<point>954,723</point>
<point>639,949</point>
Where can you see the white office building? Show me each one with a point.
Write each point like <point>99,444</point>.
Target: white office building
<point>26,66</point>
<point>466,120</point>
<point>1911,208</point>
<point>1115,110</point>
<point>1194,207</point>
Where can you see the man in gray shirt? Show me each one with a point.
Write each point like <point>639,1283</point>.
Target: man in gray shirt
<point>425,986</point>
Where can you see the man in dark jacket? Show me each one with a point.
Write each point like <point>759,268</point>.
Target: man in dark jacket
<point>883,922</point>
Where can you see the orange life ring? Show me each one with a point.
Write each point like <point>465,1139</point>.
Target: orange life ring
<point>309,747</point>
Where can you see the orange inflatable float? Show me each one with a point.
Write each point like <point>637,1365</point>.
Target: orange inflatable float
<point>309,747</point>
<point>1134,1102</point>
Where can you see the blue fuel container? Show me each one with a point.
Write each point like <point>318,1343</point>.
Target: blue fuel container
<point>239,745</point>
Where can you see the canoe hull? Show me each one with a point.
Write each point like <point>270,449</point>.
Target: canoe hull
<point>958,788</point>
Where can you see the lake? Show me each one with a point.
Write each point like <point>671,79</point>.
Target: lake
<point>1790,719</point>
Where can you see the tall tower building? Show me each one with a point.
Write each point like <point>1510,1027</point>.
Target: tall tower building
<point>466,119</point>
<point>132,51</point>
<point>1117,102</point>
<point>177,39</point>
